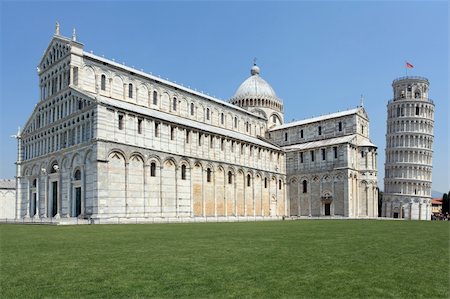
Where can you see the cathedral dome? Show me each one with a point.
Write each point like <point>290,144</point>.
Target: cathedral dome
<point>258,97</point>
<point>255,87</point>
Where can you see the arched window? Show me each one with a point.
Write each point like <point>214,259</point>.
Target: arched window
<point>208,175</point>
<point>155,97</point>
<point>305,186</point>
<point>120,121</point>
<point>130,90</point>
<point>172,133</point>
<point>34,183</point>
<point>103,83</point>
<point>156,129</point>
<point>183,172</point>
<point>340,126</point>
<point>77,175</point>
<point>417,110</point>
<point>235,122</point>
<point>279,184</point>
<point>417,94</point>
<point>320,130</point>
<point>230,177</point>
<point>248,180</point>
<point>222,118</point>
<point>207,113</point>
<point>153,169</point>
<point>174,104</point>
<point>192,108</point>
<point>265,183</point>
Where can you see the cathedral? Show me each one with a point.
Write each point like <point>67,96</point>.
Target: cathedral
<point>111,144</point>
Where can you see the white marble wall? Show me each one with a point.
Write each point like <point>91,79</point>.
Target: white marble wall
<point>7,204</point>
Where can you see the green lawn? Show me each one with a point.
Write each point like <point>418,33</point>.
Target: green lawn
<point>323,258</point>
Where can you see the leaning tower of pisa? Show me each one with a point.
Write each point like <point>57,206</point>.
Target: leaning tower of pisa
<point>409,141</point>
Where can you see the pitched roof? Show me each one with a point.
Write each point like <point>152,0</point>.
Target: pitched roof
<point>180,120</point>
<point>8,184</point>
<point>320,143</point>
<point>316,119</point>
<point>366,142</point>
<point>167,82</point>
<point>436,201</point>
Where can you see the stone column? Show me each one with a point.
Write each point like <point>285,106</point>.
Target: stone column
<point>309,197</point>
<point>225,182</point>
<point>28,206</point>
<point>420,210</point>
<point>235,195</point>
<point>203,192</point>
<point>46,205</point>
<point>59,195</point>
<point>146,186</point>
<point>97,88</point>
<point>70,195</point>
<point>253,196</point>
<point>214,191</point>
<point>37,206</point>
<point>137,93</point>
<point>160,190</point>
<point>299,210</point>
<point>176,190</point>
<point>357,190</point>
<point>126,187</point>
<point>19,178</point>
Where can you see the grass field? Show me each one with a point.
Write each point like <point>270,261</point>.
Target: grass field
<point>326,258</point>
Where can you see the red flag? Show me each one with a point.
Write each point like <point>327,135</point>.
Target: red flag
<point>409,65</point>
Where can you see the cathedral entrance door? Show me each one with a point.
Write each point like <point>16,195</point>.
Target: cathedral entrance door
<point>77,201</point>
<point>327,209</point>
<point>54,198</point>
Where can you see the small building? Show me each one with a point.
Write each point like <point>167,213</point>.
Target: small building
<point>8,199</point>
<point>436,205</point>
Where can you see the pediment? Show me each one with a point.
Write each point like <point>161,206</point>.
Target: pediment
<point>362,112</point>
<point>58,49</point>
<point>72,91</point>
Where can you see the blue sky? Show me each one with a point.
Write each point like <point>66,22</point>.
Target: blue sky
<point>318,56</point>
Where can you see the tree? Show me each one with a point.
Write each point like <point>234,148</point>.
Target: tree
<point>445,203</point>
<point>380,202</point>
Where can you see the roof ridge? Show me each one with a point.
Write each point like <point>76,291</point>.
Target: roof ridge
<point>317,118</point>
